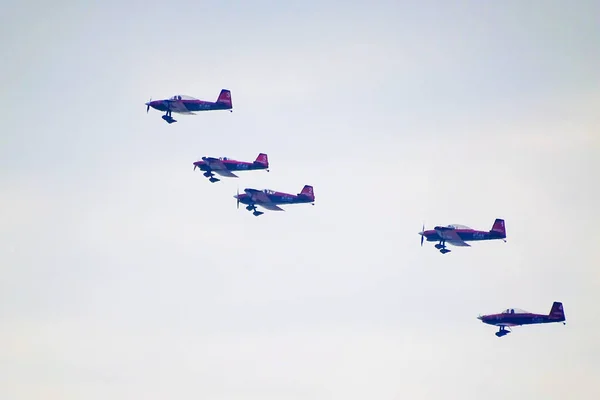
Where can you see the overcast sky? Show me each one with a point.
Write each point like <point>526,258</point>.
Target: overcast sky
<point>124,274</point>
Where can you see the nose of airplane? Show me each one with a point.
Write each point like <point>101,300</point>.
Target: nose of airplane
<point>480,317</point>
<point>148,104</point>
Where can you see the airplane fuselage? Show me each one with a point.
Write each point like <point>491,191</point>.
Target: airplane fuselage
<point>276,198</point>
<point>467,235</point>
<point>518,319</point>
<point>185,106</point>
<point>233,165</point>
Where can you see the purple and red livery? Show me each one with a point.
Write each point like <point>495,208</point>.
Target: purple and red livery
<point>516,317</point>
<point>223,166</point>
<point>269,199</point>
<point>459,235</point>
<point>182,104</point>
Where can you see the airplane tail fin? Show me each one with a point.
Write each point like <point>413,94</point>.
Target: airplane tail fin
<point>225,98</point>
<point>557,312</point>
<point>307,191</point>
<point>499,227</point>
<point>262,159</point>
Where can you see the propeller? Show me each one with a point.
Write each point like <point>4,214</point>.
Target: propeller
<point>422,235</point>
<point>238,198</point>
<point>148,105</point>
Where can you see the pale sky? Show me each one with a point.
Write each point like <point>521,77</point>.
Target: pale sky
<point>127,275</point>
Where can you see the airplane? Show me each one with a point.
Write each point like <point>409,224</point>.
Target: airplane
<point>269,199</point>
<point>182,104</point>
<point>515,317</point>
<point>458,235</point>
<point>223,166</point>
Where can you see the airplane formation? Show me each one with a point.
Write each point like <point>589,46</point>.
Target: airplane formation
<point>454,234</point>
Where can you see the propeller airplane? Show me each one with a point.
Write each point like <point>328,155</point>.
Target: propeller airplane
<point>516,317</point>
<point>182,104</point>
<point>223,166</point>
<point>270,199</point>
<point>459,235</point>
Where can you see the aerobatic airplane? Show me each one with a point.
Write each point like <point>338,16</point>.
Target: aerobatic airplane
<point>515,317</point>
<point>458,235</point>
<point>182,104</point>
<point>269,199</point>
<point>223,166</point>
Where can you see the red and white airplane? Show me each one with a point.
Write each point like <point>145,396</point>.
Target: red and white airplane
<point>223,166</point>
<point>516,317</point>
<point>182,104</point>
<point>459,235</point>
<point>269,199</point>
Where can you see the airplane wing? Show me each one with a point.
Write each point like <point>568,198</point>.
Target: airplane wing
<point>258,197</point>
<point>225,172</point>
<point>262,200</point>
<point>177,106</point>
<point>451,237</point>
<point>218,167</point>
<point>458,243</point>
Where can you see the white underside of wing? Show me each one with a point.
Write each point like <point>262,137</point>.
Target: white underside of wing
<point>270,206</point>
<point>225,172</point>
<point>458,243</point>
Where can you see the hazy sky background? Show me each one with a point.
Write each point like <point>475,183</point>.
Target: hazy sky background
<point>127,275</point>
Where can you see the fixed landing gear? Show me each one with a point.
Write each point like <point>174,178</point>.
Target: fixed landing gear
<point>441,246</point>
<point>211,177</point>
<point>252,208</point>
<point>502,332</point>
<point>167,117</point>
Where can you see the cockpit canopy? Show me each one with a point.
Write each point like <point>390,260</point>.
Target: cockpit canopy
<point>223,158</point>
<point>457,226</point>
<point>514,311</point>
<point>181,97</point>
<point>269,191</point>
